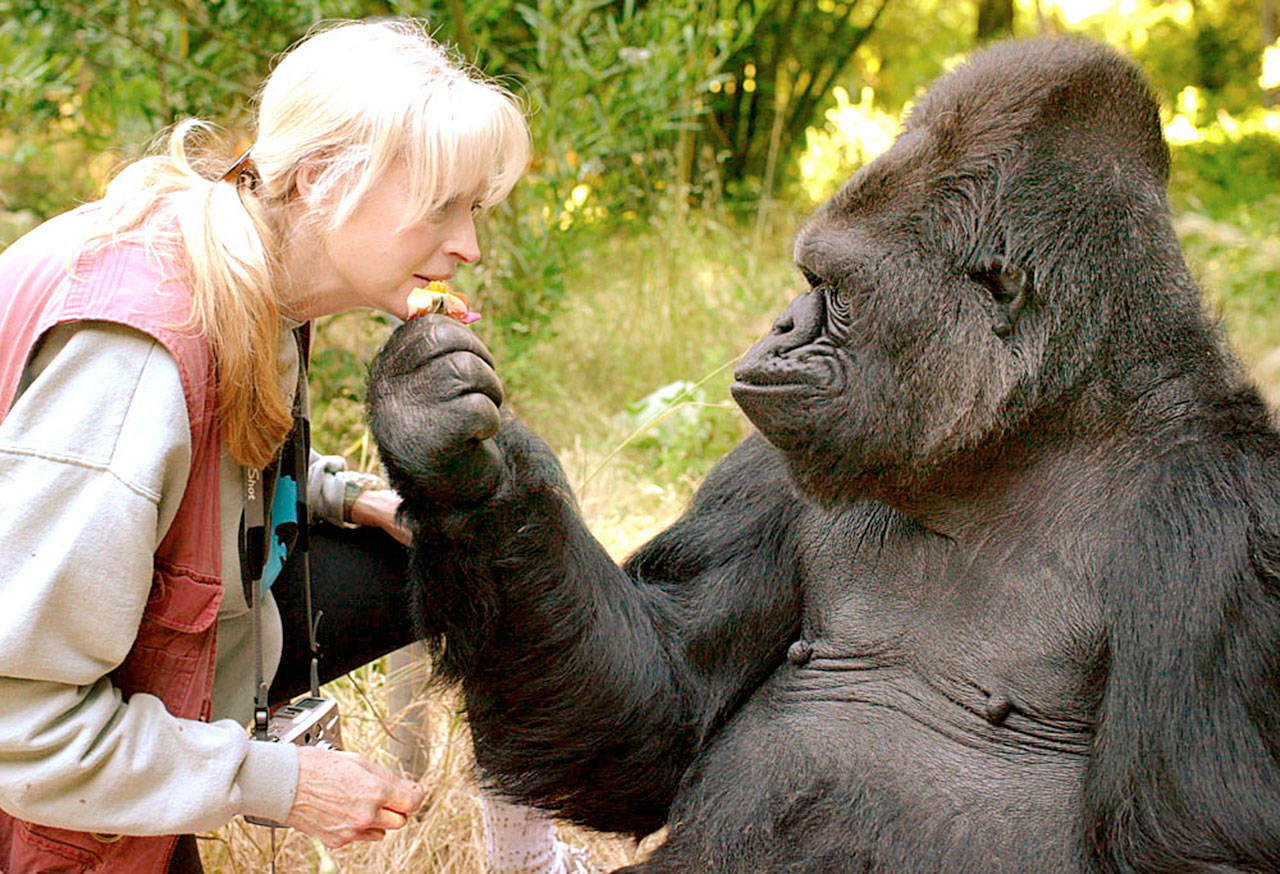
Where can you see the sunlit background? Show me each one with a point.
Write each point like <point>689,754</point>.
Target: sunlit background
<point>857,127</point>
<point>678,145</point>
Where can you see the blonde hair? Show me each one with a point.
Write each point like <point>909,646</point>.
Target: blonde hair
<point>352,100</point>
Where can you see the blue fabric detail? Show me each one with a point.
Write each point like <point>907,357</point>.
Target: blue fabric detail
<point>284,519</point>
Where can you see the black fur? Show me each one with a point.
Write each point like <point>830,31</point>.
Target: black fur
<point>995,590</point>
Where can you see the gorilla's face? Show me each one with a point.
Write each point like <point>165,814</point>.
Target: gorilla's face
<point>899,353</point>
<point>1004,256</point>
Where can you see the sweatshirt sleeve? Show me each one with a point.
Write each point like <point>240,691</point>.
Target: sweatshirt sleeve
<point>94,458</point>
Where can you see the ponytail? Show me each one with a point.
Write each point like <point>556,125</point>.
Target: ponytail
<point>219,227</point>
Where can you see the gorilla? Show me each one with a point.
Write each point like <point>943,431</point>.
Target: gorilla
<point>995,584</point>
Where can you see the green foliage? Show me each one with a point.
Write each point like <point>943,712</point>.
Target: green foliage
<point>852,134</point>
<point>679,298</point>
<point>91,83</point>
<point>1225,193</point>
<point>1217,48</point>
<point>676,429</point>
<point>1226,196</point>
<point>1237,262</point>
<point>609,94</point>
<point>777,76</point>
<point>1211,44</point>
<point>615,88</point>
<point>1226,178</point>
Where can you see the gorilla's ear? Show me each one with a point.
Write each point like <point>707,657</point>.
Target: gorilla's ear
<point>1009,287</point>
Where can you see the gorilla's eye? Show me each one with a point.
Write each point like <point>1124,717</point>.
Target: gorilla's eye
<point>837,302</point>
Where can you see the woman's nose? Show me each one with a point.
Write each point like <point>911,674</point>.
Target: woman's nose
<point>462,243</point>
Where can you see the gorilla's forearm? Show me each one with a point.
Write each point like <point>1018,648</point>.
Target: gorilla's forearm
<point>590,688</point>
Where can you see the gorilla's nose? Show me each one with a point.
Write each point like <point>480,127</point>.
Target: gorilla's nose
<point>797,326</point>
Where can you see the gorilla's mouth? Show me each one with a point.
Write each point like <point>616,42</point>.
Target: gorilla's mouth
<point>770,394</point>
<point>782,401</point>
<point>775,390</point>
<point>814,374</point>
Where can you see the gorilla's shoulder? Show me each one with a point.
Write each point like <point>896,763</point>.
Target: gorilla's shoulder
<point>755,469</point>
<point>1216,490</point>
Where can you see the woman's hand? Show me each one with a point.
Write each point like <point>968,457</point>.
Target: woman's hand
<point>378,507</point>
<point>342,798</point>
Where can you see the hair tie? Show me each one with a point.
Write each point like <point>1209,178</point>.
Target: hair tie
<point>242,169</point>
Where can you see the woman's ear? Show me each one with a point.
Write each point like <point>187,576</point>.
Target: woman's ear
<point>305,181</point>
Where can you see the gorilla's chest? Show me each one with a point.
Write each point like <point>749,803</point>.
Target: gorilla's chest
<point>931,693</point>
<point>991,648</point>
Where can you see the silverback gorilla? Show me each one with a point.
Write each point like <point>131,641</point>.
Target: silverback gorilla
<point>996,586</point>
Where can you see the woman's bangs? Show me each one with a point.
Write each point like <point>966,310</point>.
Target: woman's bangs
<point>471,144</point>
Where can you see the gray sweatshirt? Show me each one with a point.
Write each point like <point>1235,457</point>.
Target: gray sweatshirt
<point>94,457</point>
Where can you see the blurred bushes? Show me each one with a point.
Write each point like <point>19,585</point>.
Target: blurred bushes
<point>621,263</point>
<point>609,93</point>
<point>1226,177</point>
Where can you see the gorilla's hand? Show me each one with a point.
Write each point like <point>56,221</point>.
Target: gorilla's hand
<point>433,408</point>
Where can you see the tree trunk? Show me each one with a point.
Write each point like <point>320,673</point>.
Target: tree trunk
<point>460,30</point>
<point>797,51</point>
<point>1270,13</point>
<point>995,20</point>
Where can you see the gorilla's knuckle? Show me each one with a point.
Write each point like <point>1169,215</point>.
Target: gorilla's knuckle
<point>480,415</point>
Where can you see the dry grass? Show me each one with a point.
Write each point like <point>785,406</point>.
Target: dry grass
<point>680,300</point>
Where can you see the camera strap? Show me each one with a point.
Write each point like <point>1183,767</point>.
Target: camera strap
<point>265,536</point>
<point>253,536</point>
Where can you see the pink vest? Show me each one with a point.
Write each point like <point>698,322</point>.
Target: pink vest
<point>173,654</point>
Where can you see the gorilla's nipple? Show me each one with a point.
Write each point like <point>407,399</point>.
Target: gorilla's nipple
<point>999,706</point>
<point>800,652</point>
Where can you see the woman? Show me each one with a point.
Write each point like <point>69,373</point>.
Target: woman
<point>147,360</point>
